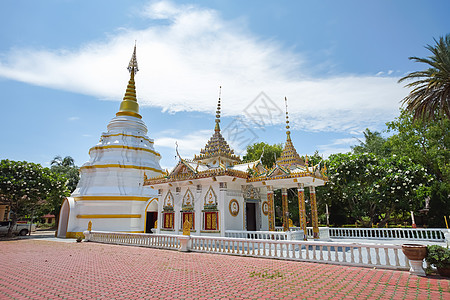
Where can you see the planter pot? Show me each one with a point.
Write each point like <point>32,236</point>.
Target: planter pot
<point>445,272</point>
<point>415,253</point>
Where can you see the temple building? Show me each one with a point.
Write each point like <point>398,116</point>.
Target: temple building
<point>111,191</point>
<point>215,191</point>
<point>122,187</point>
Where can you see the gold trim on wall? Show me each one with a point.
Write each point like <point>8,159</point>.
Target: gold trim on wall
<point>123,147</point>
<point>123,134</point>
<point>111,198</point>
<point>108,216</point>
<point>123,167</point>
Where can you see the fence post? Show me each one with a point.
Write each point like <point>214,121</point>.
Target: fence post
<point>446,233</point>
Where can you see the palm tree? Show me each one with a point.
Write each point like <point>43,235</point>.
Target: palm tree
<point>56,161</point>
<point>67,161</point>
<point>430,96</point>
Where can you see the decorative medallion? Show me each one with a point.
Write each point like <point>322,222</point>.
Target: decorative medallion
<point>265,208</point>
<point>234,207</point>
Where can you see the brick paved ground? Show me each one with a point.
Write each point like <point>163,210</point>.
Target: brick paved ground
<point>37,269</point>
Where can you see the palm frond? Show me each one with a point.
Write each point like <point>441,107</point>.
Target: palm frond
<point>430,94</point>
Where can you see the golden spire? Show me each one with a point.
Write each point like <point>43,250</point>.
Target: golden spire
<point>129,105</point>
<point>289,156</point>
<point>288,133</point>
<point>217,128</point>
<point>217,146</point>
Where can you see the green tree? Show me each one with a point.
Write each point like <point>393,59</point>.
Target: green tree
<point>23,186</point>
<point>430,95</point>
<point>373,143</point>
<point>313,159</point>
<point>427,144</point>
<point>28,187</point>
<point>67,161</point>
<point>58,190</point>
<point>255,151</point>
<point>271,152</point>
<point>66,166</point>
<point>365,186</point>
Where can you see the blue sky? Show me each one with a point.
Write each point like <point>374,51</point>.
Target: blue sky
<point>63,70</point>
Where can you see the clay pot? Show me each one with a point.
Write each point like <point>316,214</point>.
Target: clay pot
<point>445,272</point>
<point>414,251</point>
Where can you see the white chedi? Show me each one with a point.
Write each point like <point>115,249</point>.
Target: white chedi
<point>111,190</point>
<point>119,161</point>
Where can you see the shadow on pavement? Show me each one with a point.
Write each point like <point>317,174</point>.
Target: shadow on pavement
<point>39,234</point>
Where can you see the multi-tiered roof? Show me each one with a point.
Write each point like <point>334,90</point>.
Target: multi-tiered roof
<point>217,148</point>
<point>218,159</point>
<point>289,157</point>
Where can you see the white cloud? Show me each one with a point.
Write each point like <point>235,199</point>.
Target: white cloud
<point>339,146</point>
<point>188,145</point>
<point>184,60</point>
<point>73,118</point>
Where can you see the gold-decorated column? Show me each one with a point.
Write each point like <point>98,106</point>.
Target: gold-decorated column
<point>302,209</point>
<point>314,215</point>
<point>284,203</point>
<point>271,208</point>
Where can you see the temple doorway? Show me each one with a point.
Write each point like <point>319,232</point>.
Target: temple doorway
<point>63,219</point>
<point>250,212</point>
<point>151,215</point>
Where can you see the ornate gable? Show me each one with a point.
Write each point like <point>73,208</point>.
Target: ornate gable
<point>182,168</point>
<point>188,199</point>
<point>210,197</point>
<point>168,200</point>
<point>277,171</point>
<point>251,192</point>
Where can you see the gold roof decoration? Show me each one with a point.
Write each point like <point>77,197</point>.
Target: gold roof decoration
<point>210,172</point>
<point>129,105</point>
<point>217,146</point>
<point>217,159</point>
<point>289,157</point>
<point>185,166</point>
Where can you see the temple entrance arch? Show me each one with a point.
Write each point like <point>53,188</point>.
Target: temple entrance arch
<point>250,213</point>
<point>63,219</point>
<point>151,215</point>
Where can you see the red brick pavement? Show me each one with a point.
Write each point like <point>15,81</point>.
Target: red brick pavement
<point>36,269</point>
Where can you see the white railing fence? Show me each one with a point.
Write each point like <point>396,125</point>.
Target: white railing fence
<point>367,255</point>
<point>414,234</point>
<point>354,254</point>
<point>279,234</point>
<point>134,239</point>
<point>265,235</point>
